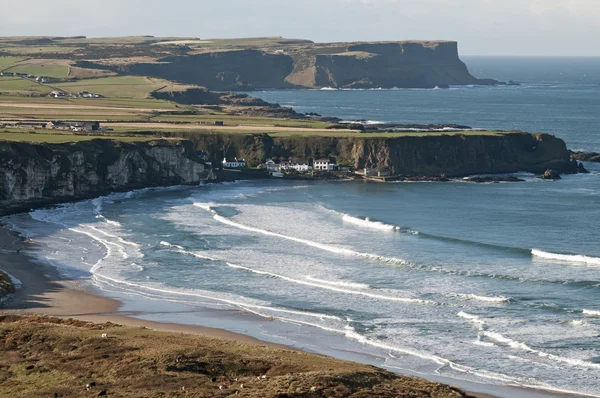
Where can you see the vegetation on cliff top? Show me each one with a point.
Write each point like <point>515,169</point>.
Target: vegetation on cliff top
<point>41,357</point>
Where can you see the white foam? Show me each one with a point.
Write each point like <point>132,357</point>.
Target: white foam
<point>167,244</point>
<point>566,257</point>
<point>591,313</point>
<point>339,283</point>
<point>367,223</point>
<point>332,288</point>
<point>480,323</point>
<point>206,206</point>
<point>488,299</point>
<point>321,246</point>
<point>502,339</point>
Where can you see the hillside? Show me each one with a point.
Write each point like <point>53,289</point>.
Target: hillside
<point>43,357</point>
<point>247,64</point>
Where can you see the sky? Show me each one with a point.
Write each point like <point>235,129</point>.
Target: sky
<point>482,27</point>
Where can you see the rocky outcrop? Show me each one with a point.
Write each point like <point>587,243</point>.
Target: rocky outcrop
<point>33,175</point>
<point>6,287</point>
<point>403,64</point>
<point>586,156</point>
<point>243,104</point>
<point>429,155</point>
<point>550,174</point>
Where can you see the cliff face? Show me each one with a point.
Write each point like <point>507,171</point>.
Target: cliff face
<point>405,64</point>
<point>457,155</point>
<point>41,174</point>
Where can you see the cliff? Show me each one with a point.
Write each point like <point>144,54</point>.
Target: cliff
<point>452,155</point>
<point>42,174</point>
<point>404,64</point>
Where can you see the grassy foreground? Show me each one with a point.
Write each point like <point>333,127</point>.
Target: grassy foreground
<point>52,357</point>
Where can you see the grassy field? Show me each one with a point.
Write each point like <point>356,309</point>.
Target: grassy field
<point>43,67</point>
<point>15,85</point>
<point>7,62</point>
<point>46,357</point>
<point>38,50</point>
<point>137,87</point>
<point>51,137</point>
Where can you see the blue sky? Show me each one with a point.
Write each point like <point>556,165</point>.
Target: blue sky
<point>482,27</point>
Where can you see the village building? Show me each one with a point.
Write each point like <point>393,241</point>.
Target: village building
<point>301,167</point>
<point>324,165</point>
<point>57,94</point>
<point>234,164</point>
<point>29,125</point>
<point>75,126</point>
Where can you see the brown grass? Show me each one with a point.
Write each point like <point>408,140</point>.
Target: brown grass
<point>46,357</point>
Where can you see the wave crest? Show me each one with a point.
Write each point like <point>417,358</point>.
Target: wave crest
<point>571,258</point>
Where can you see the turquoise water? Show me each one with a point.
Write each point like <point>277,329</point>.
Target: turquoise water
<point>478,283</point>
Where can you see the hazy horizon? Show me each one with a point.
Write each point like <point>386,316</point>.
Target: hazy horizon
<point>481,27</point>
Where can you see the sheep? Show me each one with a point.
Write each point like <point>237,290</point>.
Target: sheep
<point>104,335</point>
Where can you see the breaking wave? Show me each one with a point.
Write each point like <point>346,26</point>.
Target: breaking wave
<point>504,340</point>
<point>333,288</point>
<point>566,257</point>
<point>321,246</point>
<point>591,313</point>
<point>488,299</point>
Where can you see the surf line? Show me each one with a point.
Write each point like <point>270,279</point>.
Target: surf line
<point>570,258</point>
<point>313,282</point>
<point>321,246</point>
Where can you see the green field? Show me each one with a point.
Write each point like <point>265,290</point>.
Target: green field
<point>59,138</point>
<point>48,68</point>
<point>19,85</point>
<point>137,87</point>
<point>7,62</point>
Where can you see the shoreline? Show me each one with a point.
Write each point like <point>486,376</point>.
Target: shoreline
<point>45,292</point>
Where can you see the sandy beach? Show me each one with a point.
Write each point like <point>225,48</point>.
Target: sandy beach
<point>44,292</point>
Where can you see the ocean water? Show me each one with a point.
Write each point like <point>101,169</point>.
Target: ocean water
<point>560,96</point>
<point>468,283</point>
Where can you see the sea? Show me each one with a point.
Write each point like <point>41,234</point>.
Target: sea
<point>485,286</point>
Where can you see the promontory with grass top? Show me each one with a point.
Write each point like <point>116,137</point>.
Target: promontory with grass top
<point>56,91</point>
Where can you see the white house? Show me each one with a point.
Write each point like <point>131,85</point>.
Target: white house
<point>323,165</point>
<point>299,167</point>
<point>235,164</point>
<point>272,166</point>
<point>57,94</point>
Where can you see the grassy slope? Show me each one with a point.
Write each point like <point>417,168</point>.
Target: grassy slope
<point>41,357</point>
<point>7,62</point>
<point>19,135</point>
<point>19,85</point>
<point>136,87</point>
<point>43,67</point>
<point>128,99</point>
